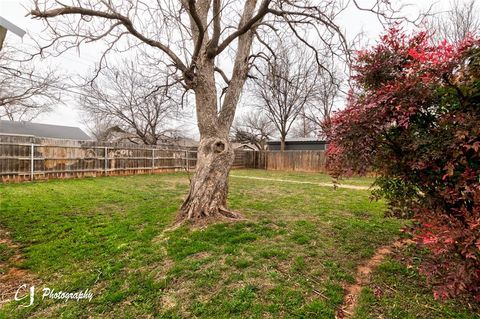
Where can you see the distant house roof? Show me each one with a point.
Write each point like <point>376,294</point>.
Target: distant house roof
<point>11,27</point>
<point>186,142</point>
<point>7,25</point>
<point>305,140</point>
<point>243,146</point>
<point>43,130</point>
<point>298,144</point>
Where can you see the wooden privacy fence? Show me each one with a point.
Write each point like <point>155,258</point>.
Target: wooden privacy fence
<point>29,158</point>
<point>305,161</point>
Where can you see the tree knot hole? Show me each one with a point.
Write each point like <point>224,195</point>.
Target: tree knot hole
<point>218,147</point>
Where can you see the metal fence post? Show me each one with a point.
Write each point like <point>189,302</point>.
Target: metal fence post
<point>32,162</point>
<point>153,159</point>
<point>106,160</point>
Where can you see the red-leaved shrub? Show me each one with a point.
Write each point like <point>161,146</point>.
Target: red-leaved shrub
<point>413,118</point>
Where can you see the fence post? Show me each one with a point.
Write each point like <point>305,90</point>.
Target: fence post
<point>153,159</point>
<point>106,160</point>
<point>32,162</point>
<point>187,164</point>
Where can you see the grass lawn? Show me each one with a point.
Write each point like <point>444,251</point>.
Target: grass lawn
<point>298,247</point>
<point>302,177</point>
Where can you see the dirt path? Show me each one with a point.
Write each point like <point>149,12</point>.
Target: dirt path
<point>362,278</point>
<point>302,182</point>
<point>11,277</point>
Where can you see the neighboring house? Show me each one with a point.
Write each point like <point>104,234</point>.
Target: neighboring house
<point>185,142</point>
<point>116,134</point>
<point>43,130</point>
<point>298,144</point>
<point>5,26</point>
<point>244,146</point>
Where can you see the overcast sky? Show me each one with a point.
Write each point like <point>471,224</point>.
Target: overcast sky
<point>352,21</point>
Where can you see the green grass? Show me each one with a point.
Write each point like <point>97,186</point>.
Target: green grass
<point>398,291</point>
<point>5,253</point>
<point>303,177</point>
<point>299,245</point>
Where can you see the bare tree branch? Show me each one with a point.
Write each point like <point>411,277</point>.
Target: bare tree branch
<point>123,98</point>
<point>246,24</point>
<point>125,21</point>
<point>26,92</point>
<point>459,21</point>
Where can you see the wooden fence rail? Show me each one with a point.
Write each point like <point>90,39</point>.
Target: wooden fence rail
<point>33,159</point>
<point>21,162</point>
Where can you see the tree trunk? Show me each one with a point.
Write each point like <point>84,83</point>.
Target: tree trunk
<point>207,198</point>
<point>282,144</point>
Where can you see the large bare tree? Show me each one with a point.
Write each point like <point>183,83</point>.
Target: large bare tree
<point>25,91</point>
<point>125,98</point>
<point>208,46</point>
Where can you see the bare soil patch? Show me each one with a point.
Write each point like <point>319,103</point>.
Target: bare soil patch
<point>11,277</point>
<point>362,278</point>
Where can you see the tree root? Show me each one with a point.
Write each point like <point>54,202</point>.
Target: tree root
<point>221,214</point>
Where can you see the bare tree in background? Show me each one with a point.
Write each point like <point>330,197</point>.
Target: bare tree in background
<point>254,128</point>
<point>314,118</point>
<point>194,40</point>
<point>25,92</point>
<point>454,25</point>
<point>122,99</point>
<point>304,127</point>
<point>327,92</point>
<point>285,86</point>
